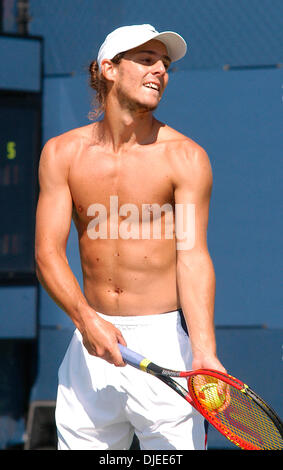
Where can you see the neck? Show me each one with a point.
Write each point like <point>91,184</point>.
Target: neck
<point>122,129</point>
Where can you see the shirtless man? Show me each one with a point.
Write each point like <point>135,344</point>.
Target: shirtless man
<point>134,286</point>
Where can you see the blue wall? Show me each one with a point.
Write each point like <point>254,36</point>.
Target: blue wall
<point>235,32</point>
<point>235,115</point>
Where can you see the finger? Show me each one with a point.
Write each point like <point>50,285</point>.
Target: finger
<point>118,359</point>
<point>121,340</point>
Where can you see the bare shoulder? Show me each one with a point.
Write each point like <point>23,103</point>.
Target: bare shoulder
<point>63,145</point>
<point>58,151</point>
<point>187,157</point>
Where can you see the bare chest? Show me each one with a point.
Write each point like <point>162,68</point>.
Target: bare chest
<point>130,179</point>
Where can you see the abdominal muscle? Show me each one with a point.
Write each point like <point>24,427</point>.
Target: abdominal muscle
<point>129,277</point>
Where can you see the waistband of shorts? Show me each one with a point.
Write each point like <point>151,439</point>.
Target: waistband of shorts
<point>140,320</point>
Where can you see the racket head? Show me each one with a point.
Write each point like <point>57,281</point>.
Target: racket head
<point>236,411</point>
<point>240,415</point>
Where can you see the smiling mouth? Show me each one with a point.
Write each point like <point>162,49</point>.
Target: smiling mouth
<point>153,86</point>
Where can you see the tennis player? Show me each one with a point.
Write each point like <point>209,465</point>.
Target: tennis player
<point>121,180</point>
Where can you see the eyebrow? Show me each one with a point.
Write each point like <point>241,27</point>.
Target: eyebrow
<point>153,53</point>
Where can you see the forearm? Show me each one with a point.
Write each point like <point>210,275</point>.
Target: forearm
<point>196,285</point>
<point>99,336</point>
<point>57,278</point>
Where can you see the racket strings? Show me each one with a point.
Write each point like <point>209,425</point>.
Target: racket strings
<point>243,420</point>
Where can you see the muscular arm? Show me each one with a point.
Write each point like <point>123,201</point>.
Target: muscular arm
<point>195,271</point>
<point>53,221</point>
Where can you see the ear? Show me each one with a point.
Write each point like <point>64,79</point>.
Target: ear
<point>108,69</point>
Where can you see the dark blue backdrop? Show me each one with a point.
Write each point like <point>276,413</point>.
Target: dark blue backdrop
<point>235,115</point>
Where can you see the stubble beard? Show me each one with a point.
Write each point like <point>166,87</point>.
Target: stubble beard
<point>133,105</point>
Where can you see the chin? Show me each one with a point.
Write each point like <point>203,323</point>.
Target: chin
<point>148,107</point>
<point>144,106</point>
<point>135,103</point>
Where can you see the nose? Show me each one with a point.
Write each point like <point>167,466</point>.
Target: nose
<point>159,68</point>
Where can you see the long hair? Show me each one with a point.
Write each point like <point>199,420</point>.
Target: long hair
<point>99,84</point>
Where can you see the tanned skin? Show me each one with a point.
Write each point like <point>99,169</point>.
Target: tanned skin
<point>131,155</point>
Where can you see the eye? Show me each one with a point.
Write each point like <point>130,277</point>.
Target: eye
<point>147,60</point>
<point>166,66</point>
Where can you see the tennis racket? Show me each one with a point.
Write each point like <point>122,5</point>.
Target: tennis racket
<point>224,401</point>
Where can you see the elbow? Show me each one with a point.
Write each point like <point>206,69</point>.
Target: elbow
<point>43,257</point>
<point>40,255</point>
<point>46,257</point>
<point>40,262</point>
<point>194,261</point>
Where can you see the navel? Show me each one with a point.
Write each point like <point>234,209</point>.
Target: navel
<point>118,290</point>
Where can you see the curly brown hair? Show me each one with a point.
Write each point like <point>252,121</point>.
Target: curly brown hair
<point>99,84</point>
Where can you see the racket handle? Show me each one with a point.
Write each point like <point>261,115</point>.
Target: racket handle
<point>131,357</point>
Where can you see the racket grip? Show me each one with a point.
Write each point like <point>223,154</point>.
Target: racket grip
<point>131,357</point>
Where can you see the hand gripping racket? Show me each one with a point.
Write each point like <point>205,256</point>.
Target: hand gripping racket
<point>227,403</point>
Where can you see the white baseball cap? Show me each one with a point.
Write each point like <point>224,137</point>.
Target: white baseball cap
<point>128,37</point>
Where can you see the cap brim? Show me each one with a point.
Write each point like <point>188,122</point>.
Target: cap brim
<point>176,45</point>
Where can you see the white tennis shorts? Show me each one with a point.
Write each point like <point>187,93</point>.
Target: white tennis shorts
<point>100,406</point>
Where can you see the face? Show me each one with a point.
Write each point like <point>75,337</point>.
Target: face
<point>142,76</point>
